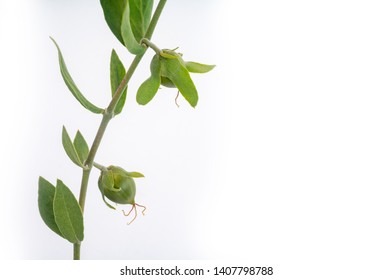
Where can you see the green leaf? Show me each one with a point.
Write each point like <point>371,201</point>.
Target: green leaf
<point>67,213</point>
<point>117,73</point>
<point>179,75</point>
<point>130,42</point>
<point>196,67</point>
<point>168,53</point>
<point>81,147</point>
<point>106,180</point>
<point>135,174</point>
<point>140,16</point>
<point>70,148</point>
<point>149,87</point>
<point>46,193</point>
<point>113,11</point>
<point>72,86</point>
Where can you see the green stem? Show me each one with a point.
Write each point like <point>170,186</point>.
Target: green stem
<point>154,19</point>
<point>150,44</point>
<point>108,115</point>
<point>76,251</point>
<point>99,166</point>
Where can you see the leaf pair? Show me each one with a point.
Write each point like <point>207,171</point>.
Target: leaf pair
<point>128,20</point>
<point>117,73</point>
<point>170,70</point>
<point>60,210</point>
<point>77,150</point>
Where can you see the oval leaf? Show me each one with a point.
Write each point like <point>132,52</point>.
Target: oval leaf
<point>67,213</point>
<point>81,147</point>
<point>140,16</point>
<point>179,75</point>
<point>113,12</point>
<point>130,42</point>
<point>70,148</point>
<point>72,86</point>
<point>46,193</point>
<point>149,87</point>
<point>196,67</point>
<point>117,73</point>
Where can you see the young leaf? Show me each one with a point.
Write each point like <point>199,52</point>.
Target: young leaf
<point>113,12</point>
<point>81,146</point>
<point>72,86</point>
<point>46,193</point>
<point>168,53</point>
<point>179,75</point>
<point>70,148</point>
<point>135,174</point>
<point>129,39</point>
<point>67,213</point>
<point>140,16</point>
<point>196,67</point>
<point>149,87</point>
<point>117,73</point>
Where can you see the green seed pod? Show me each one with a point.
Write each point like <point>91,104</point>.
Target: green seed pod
<point>175,74</point>
<point>166,82</point>
<point>170,54</point>
<point>169,69</point>
<point>118,185</point>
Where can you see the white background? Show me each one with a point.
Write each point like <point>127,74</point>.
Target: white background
<point>286,159</point>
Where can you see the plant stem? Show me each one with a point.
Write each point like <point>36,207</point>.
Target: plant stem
<point>154,19</point>
<point>108,115</point>
<point>150,44</point>
<point>100,167</point>
<point>76,252</point>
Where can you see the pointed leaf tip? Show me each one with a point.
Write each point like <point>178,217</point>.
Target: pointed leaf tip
<point>81,147</point>
<point>113,13</point>
<point>135,174</point>
<point>72,86</point>
<point>70,148</point>
<point>67,213</point>
<point>196,67</point>
<point>117,73</point>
